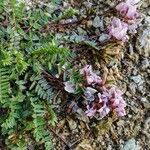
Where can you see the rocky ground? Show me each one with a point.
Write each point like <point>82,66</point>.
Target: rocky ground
<point>131,132</point>
<point>132,70</point>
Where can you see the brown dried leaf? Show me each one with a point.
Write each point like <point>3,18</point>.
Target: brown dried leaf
<point>103,127</point>
<point>84,145</point>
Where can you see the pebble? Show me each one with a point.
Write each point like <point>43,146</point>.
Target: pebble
<point>130,145</point>
<point>104,37</point>
<point>146,105</point>
<point>120,123</point>
<point>72,124</point>
<point>109,147</point>
<point>143,99</point>
<point>147,123</point>
<point>144,41</point>
<point>128,94</point>
<point>145,64</point>
<point>140,89</point>
<point>132,88</point>
<point>97,22</point>
<point>137,79</point>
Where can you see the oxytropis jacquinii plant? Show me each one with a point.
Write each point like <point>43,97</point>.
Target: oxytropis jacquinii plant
<point>101,99</point>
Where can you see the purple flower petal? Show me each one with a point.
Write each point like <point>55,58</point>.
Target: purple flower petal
<point>104,111</point>
<point>91,77</point>
<point>118,29</point>
<point>122,8</point>
<point>90,112</point>
<point>132,13</point>
<point>132,2</point>
<point>128,9</point>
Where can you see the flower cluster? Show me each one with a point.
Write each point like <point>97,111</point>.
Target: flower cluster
<point>118,29</point>
<point>128,9</point>
<point>101,100</point>
<point>91,77</point>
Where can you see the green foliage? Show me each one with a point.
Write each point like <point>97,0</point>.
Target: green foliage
<point>25,53</point>
<point>69,12</point>
<point>1,5</point>
<point>27,94</point>
<point>42,88</point>
<point>15,59</point>
<point>41,133</point>
<point>4,85</point>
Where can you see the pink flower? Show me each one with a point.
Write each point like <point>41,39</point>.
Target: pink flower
<point>91,77</point>
<point>122,8</point>
<point>86,70</point>
<point>116,101</point>
<point>118,30</point>
<point>128,9</point>
<point>132,2</point>
<point>103,98</point>
<point>103,111</point>
<point>112,92</point>
<point>132,13</point>
<point>90,112</point>
<point>120,111</point>
<point>100,102</point>
<point>69,87</point>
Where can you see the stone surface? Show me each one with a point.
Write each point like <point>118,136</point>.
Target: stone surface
<point>130,145</point>
<point>137,79</point>
<point>97,22</point>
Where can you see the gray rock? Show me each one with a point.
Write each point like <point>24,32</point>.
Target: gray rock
<point>109,147</point>
<point>130,145</point>
<point>132,88</point>
<point>72,124</point>
<point>145,102</point>
<point>143,44</point>
<point>104,37</point>
<point>145,64</point>
<point>97,22</point>
<point>137,79</point>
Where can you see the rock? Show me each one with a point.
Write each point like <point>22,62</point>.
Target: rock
<point>104,37</point>
<point>141,89</point>
<point>130,145</point>
<point>143,43</point>
<point>132,88</point>
<point>146,129</point>
<point>88,4</point>
<point>137,79</point>
<point>145,64</point>
<point>143,99</point>
<point>84,145</point>
<point>97,22</point>
<point>72,124</point>
<point>145,102</point>
<point>89,23</point>
<point>128,94</point>
<point>120,123</point>
<point>147,123</point>
<point>109,147</point>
